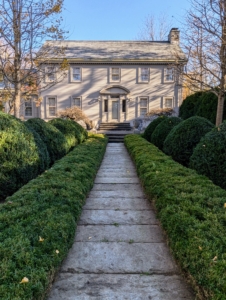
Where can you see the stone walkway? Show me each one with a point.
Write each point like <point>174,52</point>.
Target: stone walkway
<point>119,250</point>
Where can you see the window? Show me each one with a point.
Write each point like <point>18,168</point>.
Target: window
<point>169,74</point>
<point>50,74</point>
<point>76,74</point>
<point>144,74</point>
<point>143,106</point>
<point>76,101</point>
<point>115,74</point>
<point>124,105</point>
<point>52,107</point>
<point>106,105</point>
<point>168,102</point>
<point>28,108</point>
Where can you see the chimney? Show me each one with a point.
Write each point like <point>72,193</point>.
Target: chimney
<point>174,36</point>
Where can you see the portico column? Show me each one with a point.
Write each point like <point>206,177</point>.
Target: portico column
<point>120,108</point>
<point>102,108</point>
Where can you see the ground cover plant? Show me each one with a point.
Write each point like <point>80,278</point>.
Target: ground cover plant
<point>37,223</point>
<point>184,137</point>
<point>209,156</point>
<point>21,156</point>
<point>163,129</point>
<point>192,212</point>
<point>151,127</point>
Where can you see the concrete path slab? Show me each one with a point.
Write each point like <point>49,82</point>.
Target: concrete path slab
<point>116,204</point>
<point>122,233</point>
<point>119,287</point>
<point>119,252</point>
<point>111,217</point>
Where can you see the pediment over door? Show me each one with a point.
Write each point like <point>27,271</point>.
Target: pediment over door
<point>115,90</point>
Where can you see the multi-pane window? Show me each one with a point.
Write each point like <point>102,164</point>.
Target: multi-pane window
<point>76,101</point>
<point>52,106</point>
<point>144,74</point>
<point>76,74</point>
<point>105,105</point>
<point>169,74</point>
<point>28,108</point>
<point>115,74</point>
<point>143,106</point>
<point>50,74</point>
<point>168,102</point>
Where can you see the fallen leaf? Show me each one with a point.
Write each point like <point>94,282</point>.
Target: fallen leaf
<point>24,280</point>
<point>200,248</point>
<point>41,239</point>
<point>90,238</point>
<point>57,251</point>
<point>215,258</point>
<point>224,205</point>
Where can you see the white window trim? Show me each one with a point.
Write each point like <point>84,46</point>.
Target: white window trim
<point>146,97</point>
<point>110,74</point>
<point>54,72</point>
<point>165,74</point>
<point>139,75</point>
<point>80,101</point>
<point>47,106</point>
<point>71,74</point>
<point>164,101</point>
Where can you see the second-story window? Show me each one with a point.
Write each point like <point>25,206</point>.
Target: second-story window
<point>169,74</point>
<point>50,74</point>
<point>76,74</point>
<point>144,74</point>
<point>115,74</point>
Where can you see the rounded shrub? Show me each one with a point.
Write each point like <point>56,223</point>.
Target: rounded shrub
<point>151,127</point>
<point>162,130</point>
<point>69,130</point>
<point>189,106</point>
<point>20,160</point>
<point>54,140</point>
<point>184,137</point>
<point>83,132</point>
<point>209,156</point>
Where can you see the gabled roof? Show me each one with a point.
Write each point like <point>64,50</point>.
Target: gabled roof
<point>119,51</point>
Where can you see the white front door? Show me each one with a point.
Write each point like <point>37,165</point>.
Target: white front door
<point>115,109</point>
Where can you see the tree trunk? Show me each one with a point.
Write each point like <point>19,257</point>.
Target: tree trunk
<point>220,109</point>
<point>17,96</point>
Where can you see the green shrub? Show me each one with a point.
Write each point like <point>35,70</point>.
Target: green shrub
<point>191,210</point>
<point>209,156</point>
<point>20,159</point>
<point>188,107</point>
<point>151,127</point>
<point>207,107</point>
<point>69,130</point>
<point>183,138</point>
<point>54,140</point>
<point>162,130</point>
<point>41,218</point>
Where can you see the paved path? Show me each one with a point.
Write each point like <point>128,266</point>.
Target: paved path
<point>119,250</point>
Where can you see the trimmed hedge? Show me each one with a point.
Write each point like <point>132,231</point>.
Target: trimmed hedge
<point>40,219</point>
<point>54,140</point>
<point>188,107</point>
<point>184,137</point>
<point>162,130</point>
<point>21,156</point>
<point>69,130</point>
<point>209,156</point>
<point>191,210</point>
<point>151,127</point>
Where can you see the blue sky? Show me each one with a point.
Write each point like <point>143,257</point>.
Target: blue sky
<point>116,19</point>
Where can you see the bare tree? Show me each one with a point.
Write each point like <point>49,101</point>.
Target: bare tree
<point>205,46</point>
<point>155,28</point>
<point>24,25</point>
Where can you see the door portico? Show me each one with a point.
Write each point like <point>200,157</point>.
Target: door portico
<point>114,104</point>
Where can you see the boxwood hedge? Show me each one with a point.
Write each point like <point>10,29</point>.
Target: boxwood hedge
<point>162,130</point>
<point>54,140</point>
<point>151,127</point>
<point>21,157</point>
<point>183,138</point>
<point>37,223</point>
<point>192,212</point>
<point>209,156</point>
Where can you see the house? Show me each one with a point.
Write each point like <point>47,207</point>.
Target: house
<point>114,81</point>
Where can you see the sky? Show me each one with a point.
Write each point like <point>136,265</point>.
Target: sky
<point>116,19</point>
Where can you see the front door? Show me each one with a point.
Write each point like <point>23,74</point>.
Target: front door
<point>115,110</point>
